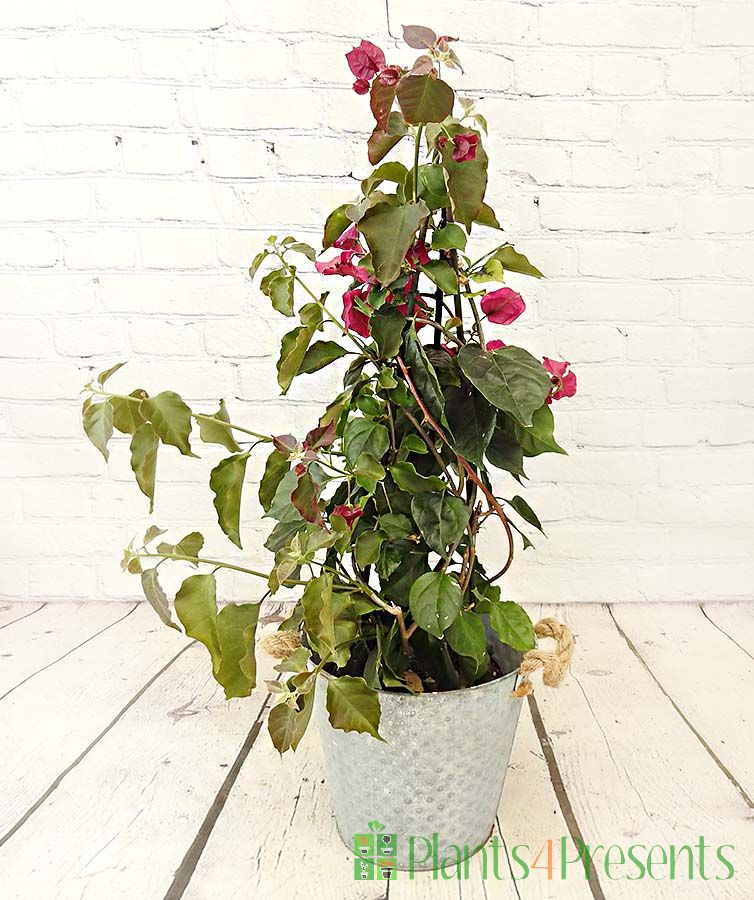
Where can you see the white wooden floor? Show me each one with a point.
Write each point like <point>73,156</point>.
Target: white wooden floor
<point>124,774</point>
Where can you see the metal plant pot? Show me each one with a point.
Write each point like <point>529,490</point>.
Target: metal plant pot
<point>437,780</point>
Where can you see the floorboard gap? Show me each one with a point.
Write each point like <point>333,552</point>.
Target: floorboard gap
<point>191,859</point>
<point>561,793</point>
<point>25,616</point>
<point>723,631</point>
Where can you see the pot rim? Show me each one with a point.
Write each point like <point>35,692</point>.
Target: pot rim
<point>429,694</point>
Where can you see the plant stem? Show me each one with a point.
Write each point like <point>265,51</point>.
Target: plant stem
<point>477,319</point>
<point>212,562</point>
<point>417,150</point>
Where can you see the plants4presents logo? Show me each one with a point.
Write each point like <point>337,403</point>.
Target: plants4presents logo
<point>375,854</point>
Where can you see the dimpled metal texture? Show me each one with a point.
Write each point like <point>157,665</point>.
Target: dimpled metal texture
<point>441,769</point>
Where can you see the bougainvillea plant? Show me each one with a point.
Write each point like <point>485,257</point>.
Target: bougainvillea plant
<point>378,508</point>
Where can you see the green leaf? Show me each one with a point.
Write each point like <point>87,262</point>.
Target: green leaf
<point>103,376</point>
<point>424,377</point>
<point>424,99</point>
<point>170,418</point>
<point>190,545</point>
<point>196,607</point>
<point>367,547</point>
<point>539,437</point>
<point>513,261</point>
<point>319,355</point>
<point>486,216</point>
<point>353,706</point>
<point>293,349</point>
<point>467,181</point>
<point>216,430</point>
<point>389,232</point>
<point>510,621</point>
<point>296,662</point>
<point>396,525</point>
<point>281,507</point>
<point>329,628</point>
<point>156,597</point>
<point>287,724</point>
<point>441,519</point>
<point>504,451</point>
<point>304,249</point>
<point>449,237</point>
<point>471,420</point>
<point>435,602</point>
<point>406,477</point>
<point>276,468</point>
<point>412,443</point>
<point>236,629</point>
<point>391,171</point>
<point>369,472</point>
<point>98,425</point>
<point>337,222</point>
<point>226,482</point>
<point>387,325</point>
<point>151,533</point>
<point>443,275</point>
<point>365,436</point>
<point>466,635</point>
<point>526,512</point>
<point>144,446</point>
<point>228,636</point>
<point>381,142</point>
<point>510,378</point>
<point>432,188</point>
<point>257,262</point>
<point>126,415</point>
<point>278,286</point>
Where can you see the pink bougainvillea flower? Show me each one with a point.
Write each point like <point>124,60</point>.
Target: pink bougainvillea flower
<point>418,255</point>
<point>564,382</point>
<point>349,513</point>
<point>366,60</point>
<point>451,351</point>
<point>494,345</point>
<point>464,146</point>
<point>353,318</point>
<point>503,306</point>
<point>361,86</point>
<point>349,240</point>
<point>390,75</point>
<point>342,265</point>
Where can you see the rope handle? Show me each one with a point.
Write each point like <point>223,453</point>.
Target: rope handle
<point>553,663</point>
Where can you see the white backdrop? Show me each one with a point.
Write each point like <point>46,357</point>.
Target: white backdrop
<point>147,148</point>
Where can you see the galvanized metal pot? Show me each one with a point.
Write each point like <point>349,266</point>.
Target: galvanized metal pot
<point>437,779</point>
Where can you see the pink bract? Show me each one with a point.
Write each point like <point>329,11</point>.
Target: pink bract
<point>564,381</point>
<point>353,318</point>
<point>464,146</point>
<point>366,60</point>
<point>494,345</point>
<point>361,86</point>
<point>503,306</point>
<point>349,513</point>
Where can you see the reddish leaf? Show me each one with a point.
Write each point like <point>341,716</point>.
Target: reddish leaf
<point>381,102</point>
<point>419,37</point>
<point>381,142</point>
<point>305,498</point>
<point>285,443</point>
<point>320,437</point>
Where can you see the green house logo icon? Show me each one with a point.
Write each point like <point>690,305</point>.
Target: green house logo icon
<point>375,851</point>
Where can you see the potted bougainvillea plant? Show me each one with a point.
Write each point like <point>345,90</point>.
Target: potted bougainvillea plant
<point>398,634</point>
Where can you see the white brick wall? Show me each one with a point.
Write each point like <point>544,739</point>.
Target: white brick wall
<point>147,148</point>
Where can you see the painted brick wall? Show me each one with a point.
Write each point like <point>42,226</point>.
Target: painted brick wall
<point>146,149</point>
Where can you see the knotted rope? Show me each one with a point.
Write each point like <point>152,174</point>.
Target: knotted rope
<point>280,644</point>
<point>553,663</point>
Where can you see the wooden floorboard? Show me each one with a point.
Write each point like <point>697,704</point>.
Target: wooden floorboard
<point>127,775</point>
<point>634,771</point>
<point>705,676</point>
